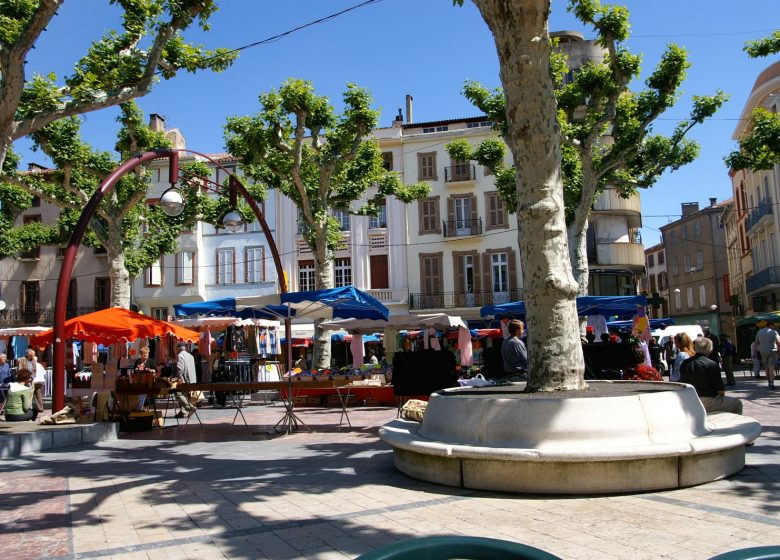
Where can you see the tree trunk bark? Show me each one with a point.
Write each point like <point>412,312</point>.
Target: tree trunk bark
<point>578,254</point>
<point>323,266</point>
<point>117,272</point>
<point>520,33</point>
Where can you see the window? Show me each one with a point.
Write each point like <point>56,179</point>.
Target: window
<point>426,166</point>
<point>380,220</point>
<point>102,292</point>
<point>766,190</point>
<point>303,225</point>
<point>663,283</point>
<point>226,266</point>
<point>685,232</point>
<point>687,263</point>
<point>497,217</point>
<point>678,301</point>
<point>650,261</point>
<point>702,296</point>
<point>699,260</point>
<point>387,161</point>
<point>689,296</point>
<point>72,303</point>
<point>61,252</point>
<point>252,226</point>
<point>697,230</point>
<point>185,267</point>
<point>342,272</point>
<point>499,264</point>
<point>306,277</point>
<point>675,266</point>
<point>479,124</point>
<point>100,251</point>
<point>160,313</point>
<point>660,258</point>
<point>429,215</point>
<point>153,274</point>
<point>30,297</point>
<point>36,200</point>
<point>254,265</point>
<point>673,237</point>
<point>343,219</point>
<point>428,129</point>
<point>652,283</point>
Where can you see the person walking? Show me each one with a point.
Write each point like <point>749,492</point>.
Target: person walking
<point>768,342</point>
<point>704,375</point>
<point>185,371</point>
<point>755,355</point>
<point>727,353</point>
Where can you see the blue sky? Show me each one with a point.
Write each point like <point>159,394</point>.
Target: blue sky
<point>426,48</point>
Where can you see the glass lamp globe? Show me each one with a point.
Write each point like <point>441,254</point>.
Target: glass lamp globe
<point>232,221</point>
<point>172,203</point>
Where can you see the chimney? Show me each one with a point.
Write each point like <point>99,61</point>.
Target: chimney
<point>689,208</point>
<point>409,118</point>
<point>399,119</point>
<point>157,122</point>
<point>713,201</point>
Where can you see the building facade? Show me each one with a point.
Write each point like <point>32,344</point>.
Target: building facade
<point>756,196</point>
<point>656,280</point>
<point>698,272</point>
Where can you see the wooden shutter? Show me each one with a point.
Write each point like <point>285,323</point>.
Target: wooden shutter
<point>450,228</point>
<point>486,278</point>
<point>420,217</point>
<point>474,216</point>
<point>513,283</point>
<point>460,280</point>
<point>379,273</point>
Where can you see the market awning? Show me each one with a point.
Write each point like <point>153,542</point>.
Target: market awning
<point>115,324</point>
<point>760,319</point>
<point>22,331</point>
<point>439,321</point>
<point>586,305</point>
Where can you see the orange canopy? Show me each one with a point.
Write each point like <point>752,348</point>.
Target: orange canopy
<point>115,324</point>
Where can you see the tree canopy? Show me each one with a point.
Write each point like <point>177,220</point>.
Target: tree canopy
<point>606,128</point>
<point>118,67</point>
<point>321,161</point>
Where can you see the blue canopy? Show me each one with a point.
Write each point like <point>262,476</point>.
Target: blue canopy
<point>334,303</point>
<point>654,323</point>
<point>245,308</point>
<point>586,305</point>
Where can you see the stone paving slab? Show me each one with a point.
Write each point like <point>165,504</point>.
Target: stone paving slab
<point>240,492</point>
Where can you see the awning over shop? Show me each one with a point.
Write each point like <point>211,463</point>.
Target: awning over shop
<point>760,319</point>
<point>609,306</point>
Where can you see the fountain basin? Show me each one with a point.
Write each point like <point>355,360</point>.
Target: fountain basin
<point>621,436</point>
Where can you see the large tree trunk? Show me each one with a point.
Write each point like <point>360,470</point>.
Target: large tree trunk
<point>117,272</point>
<point>578,254</point>
<point>323,266</point>
<point>520,32</point>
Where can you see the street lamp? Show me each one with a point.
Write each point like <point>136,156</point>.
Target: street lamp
<point>232,221</point>
<point>172,202</point>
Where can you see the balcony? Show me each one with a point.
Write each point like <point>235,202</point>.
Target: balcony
<point>460,173</point>
<point>764,208</point>
<point>764,279</point>
<point>624,255</point>
<point>611,202</point>
<point>462,228</point>
<point>450,300</point>
<point>38,317</point>
<point>388,295</point>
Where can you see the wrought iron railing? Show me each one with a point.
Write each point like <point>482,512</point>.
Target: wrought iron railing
<point>448,300</point>
<point>40,317</point>
<point>460,172</point>
<point>767,277</point>
<point>460,228</point>
<point>764,208</point>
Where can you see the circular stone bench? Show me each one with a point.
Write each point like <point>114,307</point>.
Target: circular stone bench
<point>620,436</point>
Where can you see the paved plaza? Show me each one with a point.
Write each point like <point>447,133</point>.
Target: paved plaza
<point>239,492</point>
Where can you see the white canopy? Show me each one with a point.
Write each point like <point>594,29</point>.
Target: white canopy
<point>411,321</point>
<point>218,323</point>
<point>23,331</point>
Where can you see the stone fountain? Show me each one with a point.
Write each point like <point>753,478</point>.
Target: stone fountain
<point>623,436</point>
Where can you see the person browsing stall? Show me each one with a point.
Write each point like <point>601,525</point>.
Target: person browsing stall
<point>19,405</point>
<point>30,362</point>
<point>185,371</point>
<point>513,351</point>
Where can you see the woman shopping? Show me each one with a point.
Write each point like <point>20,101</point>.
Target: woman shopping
<point>19,406</point>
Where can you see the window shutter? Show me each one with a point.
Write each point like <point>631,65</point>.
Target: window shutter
<point>420,217</point>
<point>451,214</point>
<point>486,278</point>
<point>474,215</point>
<point>477,274</point>
<point>513,283</point>
<point>460,284</point>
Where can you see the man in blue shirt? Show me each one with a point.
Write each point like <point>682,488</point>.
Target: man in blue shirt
<point>513,351</point>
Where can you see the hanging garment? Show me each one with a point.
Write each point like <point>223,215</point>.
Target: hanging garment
<point>504,328</point>
<point>390,343</point>
<point>357,349</point>
<point>3,345</point>
<point>19,345</point>
<point>464,346</point>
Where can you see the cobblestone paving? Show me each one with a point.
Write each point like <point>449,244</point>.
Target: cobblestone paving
<point>240,492</point>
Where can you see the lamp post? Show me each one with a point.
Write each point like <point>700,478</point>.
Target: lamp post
<point>171,201</point>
